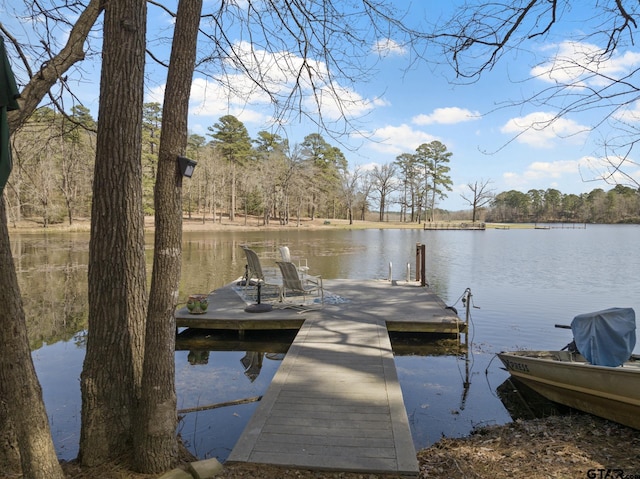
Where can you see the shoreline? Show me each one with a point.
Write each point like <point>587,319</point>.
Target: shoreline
<point>197,225</point>
<point>576,445</point>
<point>254,223</point>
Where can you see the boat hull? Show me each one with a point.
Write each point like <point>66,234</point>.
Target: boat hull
<point>567,378</point>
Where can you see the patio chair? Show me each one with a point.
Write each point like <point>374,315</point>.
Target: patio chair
<point>292,283</point>
<point>254,271</point>
<point>286,257</point>
<point>254,274</point>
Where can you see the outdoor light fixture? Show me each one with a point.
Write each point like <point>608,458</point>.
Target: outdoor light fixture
<point>186,166</point>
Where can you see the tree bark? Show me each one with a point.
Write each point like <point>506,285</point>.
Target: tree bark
<point>112,372</point>
<point>22,411</point>
<point>155,441</point>
<point>9,452</point>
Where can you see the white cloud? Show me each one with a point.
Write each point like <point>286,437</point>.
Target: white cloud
<point>446,116</point>
<point>549,174</point>
<point>578,63</point>
<point>394,140</point>
<point>554,169</point>
<point>615,170</point>
<point>236,94</point>
<point>540,129</point>
<point>209,101</point>
<point>571,61</point>
<point>338,102</point>
<point>369,166</point>
<point>387,47</point>
<point>630,114</point>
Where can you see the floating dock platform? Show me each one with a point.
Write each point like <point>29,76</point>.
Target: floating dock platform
<point>404,306</point>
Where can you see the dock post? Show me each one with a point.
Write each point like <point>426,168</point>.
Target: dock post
<point>390,271</point>
<point>467,302</point>
<point>423,267</point>
<point>408,272</point>
<point>420,264</point>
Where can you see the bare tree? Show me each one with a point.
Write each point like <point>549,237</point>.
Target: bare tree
<point>349,184</point>
<point>301,50</point>
<point>384,183</point>
<point>579,73</point>
<point>366,185</point>
<point>479,196</point>
<point>52,67</point>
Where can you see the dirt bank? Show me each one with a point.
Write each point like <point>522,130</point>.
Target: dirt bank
<point>575,446</point>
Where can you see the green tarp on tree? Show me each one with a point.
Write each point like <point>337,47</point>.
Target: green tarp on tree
<point>8,95</point>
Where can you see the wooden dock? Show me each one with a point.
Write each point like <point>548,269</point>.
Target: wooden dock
<point>448,226</point>
<point>404,306</point>
<point>335,402</point>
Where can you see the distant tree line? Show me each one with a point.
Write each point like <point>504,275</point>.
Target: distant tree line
<point>267,177</point>
<point>54,156</point>
<point>621,204</point>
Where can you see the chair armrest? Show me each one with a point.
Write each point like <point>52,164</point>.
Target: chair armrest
<point>317,280</point>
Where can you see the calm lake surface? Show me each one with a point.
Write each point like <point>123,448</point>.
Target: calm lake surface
<point>523,282</point>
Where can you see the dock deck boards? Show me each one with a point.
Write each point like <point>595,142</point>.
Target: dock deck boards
<point>335,402</point>
<point>404,306</point>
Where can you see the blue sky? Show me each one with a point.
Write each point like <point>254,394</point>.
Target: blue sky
<point>397,109</point>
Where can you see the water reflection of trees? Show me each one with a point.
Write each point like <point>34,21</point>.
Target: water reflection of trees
<point>52,273</point>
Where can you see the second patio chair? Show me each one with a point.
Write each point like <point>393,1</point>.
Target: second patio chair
<point>286,257</point>
<point>293,284</point>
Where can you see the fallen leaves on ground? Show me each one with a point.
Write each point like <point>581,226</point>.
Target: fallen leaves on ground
<point>554,447</point>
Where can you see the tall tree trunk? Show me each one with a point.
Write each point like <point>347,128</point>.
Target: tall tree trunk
<point>156,446</point>
<point>22,411</point>
<point>232,210</point>
<point>9,449</point>
<point>112,372</point>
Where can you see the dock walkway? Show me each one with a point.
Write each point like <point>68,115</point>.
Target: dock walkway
<point>335,402</point>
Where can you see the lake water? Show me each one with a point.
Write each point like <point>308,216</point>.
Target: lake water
<point>523,282</point>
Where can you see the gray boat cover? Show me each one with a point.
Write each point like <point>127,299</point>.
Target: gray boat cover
<point>607,337</point>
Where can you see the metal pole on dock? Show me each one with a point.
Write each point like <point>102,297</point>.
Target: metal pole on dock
<point>467,318</point>
<point>418,261</point>
<point>467,303</point>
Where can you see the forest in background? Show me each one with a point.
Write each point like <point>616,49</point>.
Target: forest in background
<point>267,177</point>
